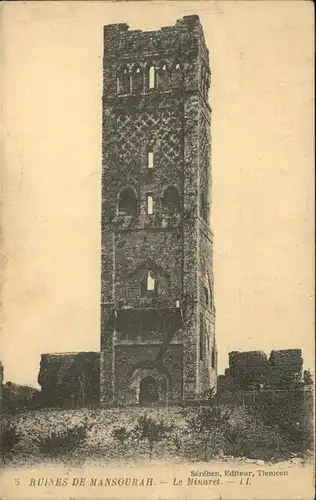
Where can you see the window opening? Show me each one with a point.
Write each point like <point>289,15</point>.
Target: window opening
<point>148,390</point>
<point>150,282</point>
<point>206,296</point>
<point>208,336</point>
<point>127,202</point>
<point>150,159</point>
<point>149,204</point>
<point>213,360</point>
<point>171,199</point>
<point>152,77</point>
<point>137,80</point>
<point>201,340</point>
<point>124,82</point>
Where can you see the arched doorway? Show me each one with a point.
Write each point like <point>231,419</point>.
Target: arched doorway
<point>148,390</point>
<point>148,384</point>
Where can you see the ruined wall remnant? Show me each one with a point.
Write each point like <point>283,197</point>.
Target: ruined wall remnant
<point>253,370</point>
<point>70,380</point>
<point>19,398</point>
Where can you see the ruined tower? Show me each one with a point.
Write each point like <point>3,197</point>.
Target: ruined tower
<point>157,303</point>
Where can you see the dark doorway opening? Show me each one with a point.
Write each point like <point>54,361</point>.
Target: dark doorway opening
<point>148,390</point>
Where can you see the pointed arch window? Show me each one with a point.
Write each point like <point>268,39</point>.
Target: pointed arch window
<point>171,199</point>
<point>206,297</point>
<point>202,339</point>
<point>211,291</point>
<point>137,85</point>
<point>127,203</point>
<point>213,357</point>
<point>164,82</point>
<point>176,75</point>
<point>124,82</point>
<point>208,336</point>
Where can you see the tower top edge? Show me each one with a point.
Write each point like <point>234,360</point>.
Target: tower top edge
<point>185,35</point>
<point>189,21</point>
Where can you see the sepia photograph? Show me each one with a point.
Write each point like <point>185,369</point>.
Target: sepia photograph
<point>157,250</point>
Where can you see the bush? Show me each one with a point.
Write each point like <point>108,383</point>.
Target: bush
<point>121,434</point>
<point>235,431</point>
<point>147,429</point>
<point>9,439</point>
<point>62,441</point>
<point>247,436</point>
<point>208,423</point>
<point>293,420</point>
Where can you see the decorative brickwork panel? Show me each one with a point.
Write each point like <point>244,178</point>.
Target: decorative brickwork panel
<point>134,134</point>
<point>150,128</point>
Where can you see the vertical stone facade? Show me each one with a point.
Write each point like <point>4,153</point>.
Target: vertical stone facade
<point>157,301</point>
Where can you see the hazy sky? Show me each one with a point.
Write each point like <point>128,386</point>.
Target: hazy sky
<point>262,155</point>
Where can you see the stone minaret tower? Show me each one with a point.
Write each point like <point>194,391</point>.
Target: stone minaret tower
<point>157,302</point>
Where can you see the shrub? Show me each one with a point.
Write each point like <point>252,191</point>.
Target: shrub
<point>9,439</point>
<point>247,436</point>
<point>62,441</point>
<point>147,429</point>
<point>293,420</point>
<point>177,440</point>
<point>121,434</point>
<point>208,423</point>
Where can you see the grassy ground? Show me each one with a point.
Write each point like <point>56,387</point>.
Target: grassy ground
<point>100,446</point>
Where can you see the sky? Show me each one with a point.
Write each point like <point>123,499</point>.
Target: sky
<point>261,56</point>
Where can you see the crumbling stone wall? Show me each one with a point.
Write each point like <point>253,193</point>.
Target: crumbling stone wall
<point>276,389</point>
<point>253,370</point>
<point>70,380</point>
<point>19,398</point>
<point>171,119</point>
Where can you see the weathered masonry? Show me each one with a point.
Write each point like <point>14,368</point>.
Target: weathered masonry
<point>157,301</point>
